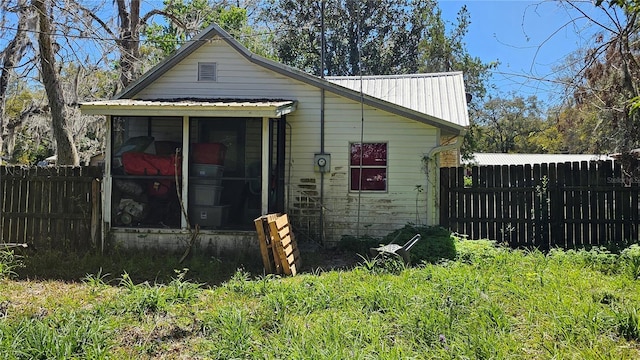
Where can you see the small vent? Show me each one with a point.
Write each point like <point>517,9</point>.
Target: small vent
<point>207,72</point>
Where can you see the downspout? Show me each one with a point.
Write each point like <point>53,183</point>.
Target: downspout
<point>322,101</point>
<point>431,156</point>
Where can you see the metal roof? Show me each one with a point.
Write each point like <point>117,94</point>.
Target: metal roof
<point>524,159</point>
<point>440,94</point>
<point>191,107</point>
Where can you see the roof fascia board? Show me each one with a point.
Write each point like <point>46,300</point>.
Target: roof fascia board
<point>176,110</point>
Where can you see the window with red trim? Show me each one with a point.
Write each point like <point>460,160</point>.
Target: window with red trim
<point>368,167</point>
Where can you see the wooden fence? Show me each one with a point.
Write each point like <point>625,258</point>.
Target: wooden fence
<point>568,205</point>
<point>51,208</point>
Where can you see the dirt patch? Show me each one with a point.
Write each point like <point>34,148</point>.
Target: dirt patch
<point>327,259</point>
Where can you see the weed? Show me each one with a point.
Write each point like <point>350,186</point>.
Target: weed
<point>383,264</point>
<point>629,323</point>
<point>183,291</point>
<point>142,299</point>
<point>631,261</point>
<point>96,281</point>
<point>9,262</point>
<point>64,336</point>
<point>472,251</point>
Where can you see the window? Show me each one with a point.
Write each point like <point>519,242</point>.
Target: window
<point>372,175</point>
<point>207,72</point>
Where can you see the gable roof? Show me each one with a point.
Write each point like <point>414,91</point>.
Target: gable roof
<point>447,125</point>
<point>440,94</point>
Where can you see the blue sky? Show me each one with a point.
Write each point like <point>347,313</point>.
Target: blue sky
<point>529,39</point>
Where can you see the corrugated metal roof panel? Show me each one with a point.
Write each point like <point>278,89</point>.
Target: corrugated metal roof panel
<point>441,95</point>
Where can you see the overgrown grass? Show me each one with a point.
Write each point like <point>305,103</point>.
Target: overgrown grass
<point>487,302</point>
<point>141,266</point>
<point>437,243</point>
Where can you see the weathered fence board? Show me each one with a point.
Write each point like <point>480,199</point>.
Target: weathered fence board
<point>566,205</point>
<point>50,208</point>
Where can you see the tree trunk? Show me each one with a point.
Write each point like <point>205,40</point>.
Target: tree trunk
<point>66,150</point>
<point>11,56</point>
<point>129,41</point>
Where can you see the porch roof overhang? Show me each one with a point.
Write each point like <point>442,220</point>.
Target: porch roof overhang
<point>190,107</point>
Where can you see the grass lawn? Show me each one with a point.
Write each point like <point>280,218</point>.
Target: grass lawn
<point>486,303</point>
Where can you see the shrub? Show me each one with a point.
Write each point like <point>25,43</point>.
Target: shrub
<point>471,251</point>
<point>436,243</point>
<point>630,258</point>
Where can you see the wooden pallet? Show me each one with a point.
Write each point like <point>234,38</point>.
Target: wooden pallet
<point>278,247</point>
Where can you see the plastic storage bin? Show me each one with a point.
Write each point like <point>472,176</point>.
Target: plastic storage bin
<point>207,170</point>
<point>209,216</point>
<point>205,192</point>
<point>208,153</point>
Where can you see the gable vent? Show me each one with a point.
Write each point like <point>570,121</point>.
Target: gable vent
<point>207,72</point>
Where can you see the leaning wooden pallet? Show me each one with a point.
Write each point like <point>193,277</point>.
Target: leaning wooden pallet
<point>278,247</point>
<point>285,244</point>
<point>271,265</point>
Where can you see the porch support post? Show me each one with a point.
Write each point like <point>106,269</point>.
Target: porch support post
<point>280,160</point>
<point>265,167</point>
<point>107,183</point>
<point>185,171</point>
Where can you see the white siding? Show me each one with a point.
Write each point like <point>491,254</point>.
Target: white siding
<point>408,141</point>
<point>380,213</point>
<point>237,79</point>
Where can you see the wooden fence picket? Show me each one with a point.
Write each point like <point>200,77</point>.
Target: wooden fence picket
<point>51,207</point>
<point>568,205</point>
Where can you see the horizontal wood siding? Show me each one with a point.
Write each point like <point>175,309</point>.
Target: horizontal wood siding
<point>237,78</point>
<point>380,213</point>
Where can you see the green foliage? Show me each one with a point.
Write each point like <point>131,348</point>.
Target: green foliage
<point>187,18</point>
<point>359,245</point>
<point>508,125</point>
<point>383,264</point>
<point>443,50</point>
<point>182,290</point>
<point>605,83</point>
<point>474,251</point>
<point>29,151</point>
<point>631,260</point>
<point>139,265</point>
<point>61,335</point>
<point>436,243</point>
<point>373,38</point>
<point>488,302</point>
<point>9,262</point>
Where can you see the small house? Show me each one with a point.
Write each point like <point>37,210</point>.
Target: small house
<point>214,136</point>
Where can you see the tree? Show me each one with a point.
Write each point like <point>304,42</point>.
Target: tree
<point>509,125</point>
<point>442,51</point>
<point>66,149</point>
<point>376,38</point>
<point>369,37</point>
<point>186,19</point>
<point>11,56</point>
<point>607,81</point>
